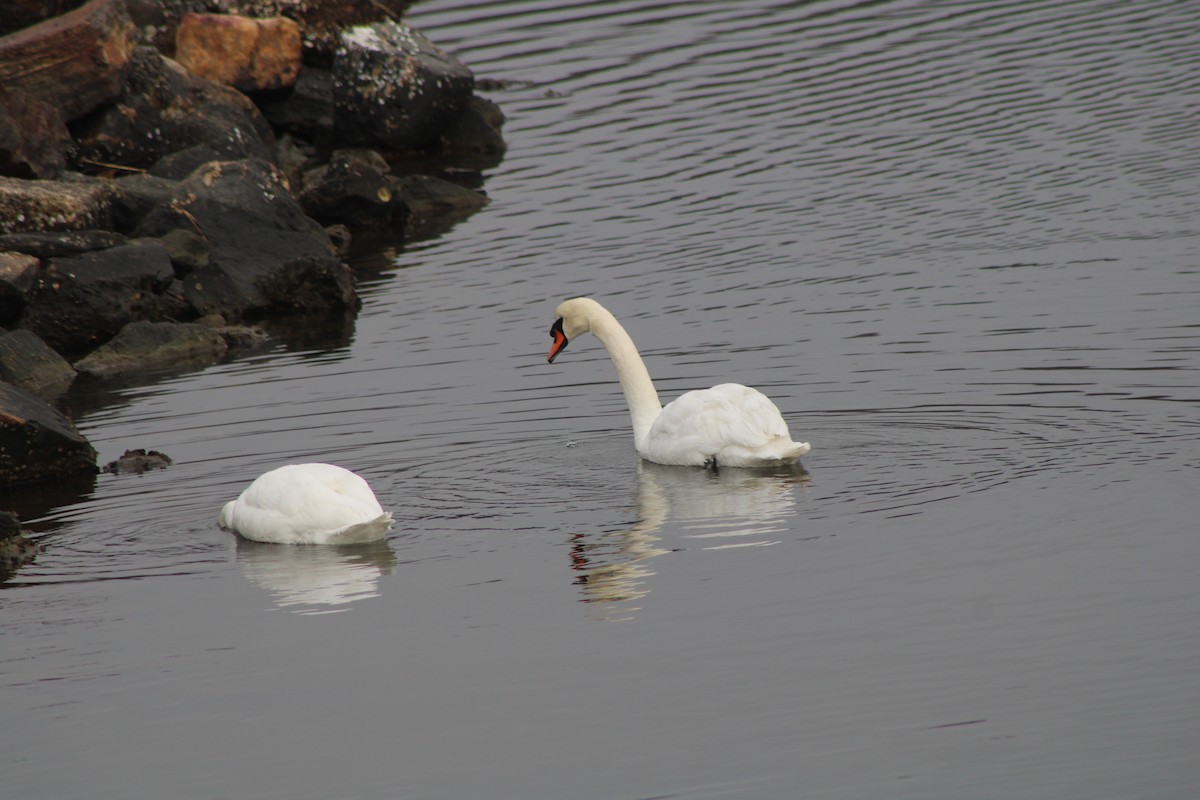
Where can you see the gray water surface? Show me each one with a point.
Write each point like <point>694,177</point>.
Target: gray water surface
<point>957,243</point>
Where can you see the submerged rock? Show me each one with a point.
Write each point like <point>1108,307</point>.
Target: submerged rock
<point>135,462</point>
<point>36,442</point>
<point>15,548</point>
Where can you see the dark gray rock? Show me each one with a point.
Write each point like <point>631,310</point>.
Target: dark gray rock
<point>133,196</point>
<point>81,301</point>
<point>164,110</point>
<point>58,205</point>
<point>135,462</point>
<point>18,271</point>
<point>355,189</point>
<point>28,363</point>
<point>394,87</point>
<point>266,254</point>
<point>435,205</point>
<point>153,346</point>
<point>15,548</point>
<point>36,442</point>
<point>476,132</point>
<point>306,111</point>
<point>56,245</point>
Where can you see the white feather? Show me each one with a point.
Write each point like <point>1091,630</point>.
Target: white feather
<point>307,504</point>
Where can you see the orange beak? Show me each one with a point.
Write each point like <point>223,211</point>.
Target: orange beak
<point>560,341</point>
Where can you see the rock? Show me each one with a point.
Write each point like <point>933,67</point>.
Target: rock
<point>52,205</point>
<point>71,62</point>
<point>306,111</point>
<point>17,273</point>
<point>18,14</point>
<point>79,302</point>
<point>476,131</point>
<point>33,139</point>
<point>165,110</point>
<point>265,255</point>
<point>187,248</point>
<point>355,188</point>
<point>135,195</point>
<point>435,205</point>
<point>150,346</point>
<point>36,442</point>
<point>321,22</point>
<point>135,462</point>
<point>55,245</point>
<point>28,363</point>
<point>15,548</point>
<point>248,54</point>
<point>394,87</point>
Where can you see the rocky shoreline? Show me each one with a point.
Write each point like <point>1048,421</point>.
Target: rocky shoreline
<point>171,178</point>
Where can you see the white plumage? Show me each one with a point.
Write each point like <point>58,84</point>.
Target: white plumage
<point>307,504</point>
<point>729,425</point>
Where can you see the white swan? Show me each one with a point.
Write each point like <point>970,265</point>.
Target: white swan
<point>307,504</point>
<point>729,425</point>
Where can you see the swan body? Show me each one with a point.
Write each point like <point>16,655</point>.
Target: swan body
<point>729,425</point>
<point>307,504</point>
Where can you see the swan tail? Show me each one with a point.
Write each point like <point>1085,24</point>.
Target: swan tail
<point>368,531</point>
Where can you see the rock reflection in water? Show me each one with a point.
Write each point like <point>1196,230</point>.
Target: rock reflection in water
<point>741,505</point>
<point>314,579</point>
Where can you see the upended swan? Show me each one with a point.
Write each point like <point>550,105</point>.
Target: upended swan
<point>729,425</point>
<point>307,504</point>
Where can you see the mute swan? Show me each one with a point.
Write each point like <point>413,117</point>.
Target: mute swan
<point>307,504</point>
<point>729,425</point>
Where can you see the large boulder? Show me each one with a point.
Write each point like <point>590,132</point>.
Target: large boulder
<point>73,62</point>
<point>79,302</point>
<point>165,110</point>
<point>394,87</point>
<point>36,442</point>
<point>265,253</point>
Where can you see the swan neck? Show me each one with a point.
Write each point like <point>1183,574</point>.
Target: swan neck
<point>640,393</point>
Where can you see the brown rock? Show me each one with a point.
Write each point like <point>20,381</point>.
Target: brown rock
<point>33,138</point>
<point>72,62</point>
<point>321,21</point>
<point>248,54</point>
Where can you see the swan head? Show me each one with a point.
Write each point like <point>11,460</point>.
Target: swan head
<point>574,319</point>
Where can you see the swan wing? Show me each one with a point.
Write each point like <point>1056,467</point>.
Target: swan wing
<point>731,423</point>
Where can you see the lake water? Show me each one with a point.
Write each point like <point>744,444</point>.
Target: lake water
<point>957,243</point>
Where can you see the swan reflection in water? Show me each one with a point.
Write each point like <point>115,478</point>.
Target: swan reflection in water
<point>716,510</point>
<point>316,579</point>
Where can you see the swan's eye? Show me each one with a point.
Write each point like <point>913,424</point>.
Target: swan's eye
<point>556,329</point>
